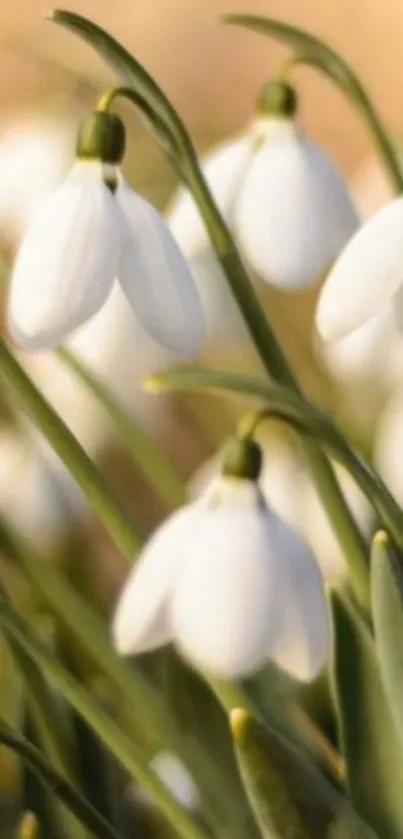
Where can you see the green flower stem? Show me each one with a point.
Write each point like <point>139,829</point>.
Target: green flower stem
<point>282,403</point>
<point>109,732</point>
<point>46,719</point>
<point>145,453</point>
<point>91,634</point>
<point>57,784</point>
<point>343,523</point>
<point>177,145</point>
<point>316,53</point>
<point>99,495</point>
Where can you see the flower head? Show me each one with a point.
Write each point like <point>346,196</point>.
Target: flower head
<point>367,275</point>
<point>285,200</point>
<point>92,230</point>
<point>230,583</point>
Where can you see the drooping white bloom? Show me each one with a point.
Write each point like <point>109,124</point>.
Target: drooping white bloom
<point>82,239</point>
<point>285,201</point>
<point>292,495</point>
<point>366,277</point>
<point>231,584</point>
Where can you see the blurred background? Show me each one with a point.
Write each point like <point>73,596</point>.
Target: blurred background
<point>212,74</point>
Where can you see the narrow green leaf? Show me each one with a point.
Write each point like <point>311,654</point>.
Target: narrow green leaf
<point>51,735</point>
<point>176,141</point>
<point>109,732</point>
<point>90,632</point>
<point>161,728</point>
<point>282,403</point>
<point>387,606</point>
<point>288,795</point>
<point>100,496</point>
<point>58,785</point>
<point>374,759</point>
<point>318,54</point>
<point>150,97</point>
<point>267,790</point>
<point>143,450</point>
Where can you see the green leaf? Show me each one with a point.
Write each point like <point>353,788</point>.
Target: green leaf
<point>318,54</point>
<point>288,795</point>
<point>90,632</point>
<point>144,92</point>
<point>374,759</point>
<point>387,606</point>
<point>140,446</point>
<point>147,95</point>
<point>282,403</point>
<point>45,716</point>
<point>109,732</point>
<point>100,496</point>
<point>58,785</point>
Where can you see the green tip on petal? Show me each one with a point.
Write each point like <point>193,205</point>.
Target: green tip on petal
<point>242,459</point>
<point>277,99</point>
<point>101,136</point>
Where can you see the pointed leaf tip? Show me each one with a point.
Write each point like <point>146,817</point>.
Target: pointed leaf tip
<point>381,539</point>
<point>238,719</point>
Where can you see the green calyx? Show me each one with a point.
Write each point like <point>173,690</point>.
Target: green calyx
<point>242,459</point>
<point>277,99</point>
<point>102,137</point>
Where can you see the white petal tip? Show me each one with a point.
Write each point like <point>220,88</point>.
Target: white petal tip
<point>121,640</point>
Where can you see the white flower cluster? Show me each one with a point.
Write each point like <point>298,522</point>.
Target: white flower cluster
<point>225,578</point>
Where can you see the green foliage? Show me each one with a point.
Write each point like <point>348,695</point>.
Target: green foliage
<point>271,786</point>
<point>368,734</point>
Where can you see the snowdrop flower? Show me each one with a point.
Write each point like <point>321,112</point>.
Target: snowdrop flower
<point>229,582</point>
<point>284,199</point>
<point>367,276</point>
<point>93,229</point>
<point>290,492</point>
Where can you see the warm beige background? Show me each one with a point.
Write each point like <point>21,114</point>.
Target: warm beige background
<point>212,73</point>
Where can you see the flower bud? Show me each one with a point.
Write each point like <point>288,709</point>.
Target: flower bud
<point>277,98</point>
<point>101,136</point>
<point>242,459</point>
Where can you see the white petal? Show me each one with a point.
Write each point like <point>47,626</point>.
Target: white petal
<point>223,170</point>
<point>293,496</point>
<point>365,277</point>
<point>225,328</point>
<point>66,266</point>
<point>224,606</point>
<point>141,621</point>
<point>360,356</point>
<point>301,644</point>
<point>157,280</point>
<point>293,213</point>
